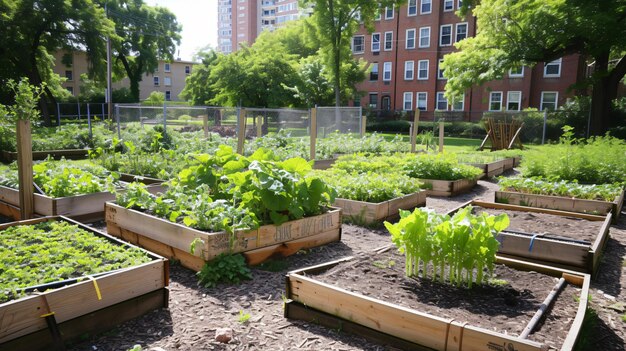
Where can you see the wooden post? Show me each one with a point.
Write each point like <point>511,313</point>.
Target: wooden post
<point>441,135</point>
<point>416,119</point>
<point>25,168</point>
<point>205,124</point>
<point>363,125</point>
<point>313,128</point>
<point>241,130</point>
<point>259,126</point>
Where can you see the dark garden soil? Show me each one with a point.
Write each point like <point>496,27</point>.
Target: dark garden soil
<point>195,312</point>
<point>506,307</point>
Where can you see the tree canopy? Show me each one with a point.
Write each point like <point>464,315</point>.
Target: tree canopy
<point>525,32</point>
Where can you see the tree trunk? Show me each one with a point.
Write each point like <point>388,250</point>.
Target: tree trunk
<point>134,87</point>
<point>604,92</point>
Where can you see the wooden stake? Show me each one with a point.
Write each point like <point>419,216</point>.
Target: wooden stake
<point>363,125</point>
<point>25,168</point>
<point>416,119</point>
<point>205,122</point>
<point>259,126</point>
<point>313,127</point>
<point>441,135</point>
<point>241,130</point>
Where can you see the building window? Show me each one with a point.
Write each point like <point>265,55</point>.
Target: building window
<point>378,14</point>
<point>407,104</point>
<point>358,44</point>
<point>386,103</point>
<point>513,100</point>
<point>167,81</point>
<point>167,68</point>
<point>374,100</point>
<point>422,70</point>
<point>408,70</point>
<point>187,69</point>
<point>458,104</point>
<point>426,7</point>
<point>389,12</point>
<point>156,81</point>
<point>445,35</point>
<point>410,38</point>
<point>69,75</point>
<point>376,42</point>
<point>448,5</point>
<point>552,69</point>
<point>387,71</point>
<point>374,71</point>
<point>388,41</point>
<point>442,102</point>
<point>421,100</point>
<point>440,70</point>
<point>549,100</point>
<point>516,72</point>
<point>461,31</point>
<point>495,101</point>
<point>70,89</point>
<point>424,37</point>
<point>168,95</point>
<point>412,8</point>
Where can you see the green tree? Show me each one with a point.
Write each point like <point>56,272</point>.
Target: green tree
<point>33,29</point>
<point>146,34</point>
<point>313,87</point>
<point>199,85</point>
<point>156,98</point>
<point>524,32</point>
<point>336,22</point>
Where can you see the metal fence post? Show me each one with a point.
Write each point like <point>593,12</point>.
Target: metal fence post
<point>78,103</point>
<point>103,112</point>
<point>117,117</point>
<point>164,118</point>
<point>58,114</point>
<point>545,121</point>
<point>89,122</point>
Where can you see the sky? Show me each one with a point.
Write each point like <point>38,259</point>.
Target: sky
<point>199,21</point>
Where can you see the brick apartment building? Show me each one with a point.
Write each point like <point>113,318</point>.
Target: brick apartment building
<point>404,53</point>
<point>169,77</point>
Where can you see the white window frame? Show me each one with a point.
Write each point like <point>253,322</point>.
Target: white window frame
<point>556,99</point>
<point>369,102</point>
<point>558,62</point>
<point>156,81</point>
<point>406,46</point>
<point>362,44</point>
<point>516,75</point>
<point>445,2</point>
<point>491,101</point>
<point>440,94</point>
<point>167,67</point>
<point>462,102</point>
<point>441,34</point>
<point>440,71</point>
<point>408,64</point>
<point>427,37</point>
<point>387,71</point>
<point>390,41</point>
<point>419,69</point>
<point>407,98</point>
<point>393,11</point>
<point>409,7</point>
<point>430,7</point>
<point>374,64</point>
<point>167,81</point>
<point>456,33</point>
<point>379,14</point>
<point>459,4</point>
<point>417,100</point>
<point>508,100</point>
<point>374,49</point>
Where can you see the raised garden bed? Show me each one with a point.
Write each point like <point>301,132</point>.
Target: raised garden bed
<point>73,154</point>
<point>369,212</point>
<point>71,308</point>
<point>449,187</point>
<point>324,164</point>
<point>173,240</point>
<point>89,206</point>
<point>490,169</point>
<point>371,297</point>
<point>572,241</point>
<point>562,203</point>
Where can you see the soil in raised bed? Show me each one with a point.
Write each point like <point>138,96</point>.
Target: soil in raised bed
<point>539,223</point>
<point>505,307</point>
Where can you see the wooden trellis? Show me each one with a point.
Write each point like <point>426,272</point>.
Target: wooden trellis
<point>504,134</point>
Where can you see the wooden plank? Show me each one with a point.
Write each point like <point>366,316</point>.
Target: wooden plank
<point>537,210</point>
<point>372,212</point>
<point>205,125</point>
<point>574,332</point>
<point>25,168</point>
<point>544,249</point>
<point>416,120</point>
<point>69,154</point>
<point>254,257</point>
<point>619,203</point>
<point>529,265</point>
<point>554,202</point>
<point>598,246</point>
<point>324,164</point>
<point>91,323</point>
<point>9,211</point>
<point>241,131</point>
<point>441,136</point>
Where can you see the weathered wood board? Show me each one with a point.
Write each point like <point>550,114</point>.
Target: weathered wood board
<point>370,212</point>
<point>449,187</point>
<point>71,154</point>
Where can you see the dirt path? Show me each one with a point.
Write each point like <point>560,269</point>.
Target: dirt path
<point>196,312</point>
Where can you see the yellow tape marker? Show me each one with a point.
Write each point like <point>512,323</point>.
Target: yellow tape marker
<point>47,315</point>
<point>95,285</point>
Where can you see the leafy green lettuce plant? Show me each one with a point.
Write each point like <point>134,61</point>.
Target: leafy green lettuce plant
<point>538,186</point>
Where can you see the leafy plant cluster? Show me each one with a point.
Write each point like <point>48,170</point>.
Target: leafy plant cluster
<point>227,191</point>
<point>464,244</point>
<point>598,160</point>
<point>225,268</point>
<point>54,251</point>
<point>440,166</point>
<point>65,178</point>
<point>369,187</point>
<point>605,192</point>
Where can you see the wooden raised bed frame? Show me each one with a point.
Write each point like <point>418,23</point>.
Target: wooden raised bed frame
<point>70,154</point>
<point>562,203</point>
<point>371,212</point>
<point>562,254</point>
<point>125,294</point>
<point>84,207</point>
<point>174,240</point>
<point>490,169</point>
<point>324,164</point>
<point>404,328</point>
<point>449,187</point>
